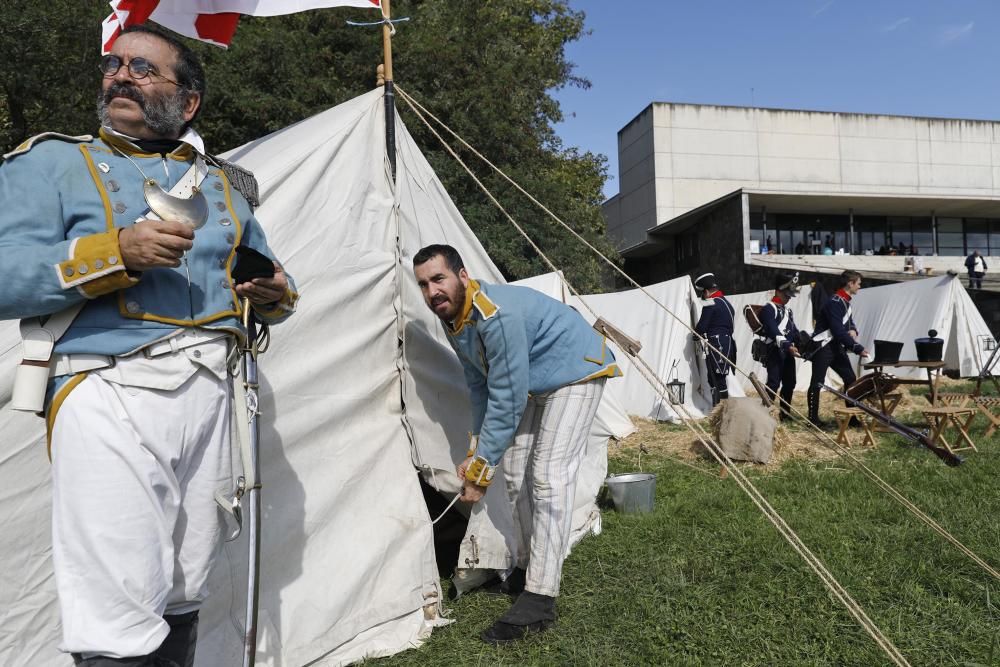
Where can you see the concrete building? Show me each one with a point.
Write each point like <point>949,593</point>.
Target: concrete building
<point>742,191</point>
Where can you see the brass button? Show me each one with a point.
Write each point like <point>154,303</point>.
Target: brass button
<point>230,237</point>
<point>103,166</point>
<point>98,265</point>
<point>224,283</point>
<point>112,260</point>
<point>218,185</point>
<point>113,185</point>
<point>225,222</point>
<point>69,271</point>
<point>197,354</point>
<point>221,205</point>
<point>222,262</point>
<point>120,207</point>
<point>132,307</point>
<point>82,268</point>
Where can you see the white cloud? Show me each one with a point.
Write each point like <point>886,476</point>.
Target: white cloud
<point>899,23</point>
<point>825,6</point>
<point>956,32</point>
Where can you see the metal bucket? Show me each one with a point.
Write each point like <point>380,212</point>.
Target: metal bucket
<point>632,493</point>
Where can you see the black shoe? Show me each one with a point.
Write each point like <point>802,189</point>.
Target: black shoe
<point>514,583</point>
<point>530,614</point>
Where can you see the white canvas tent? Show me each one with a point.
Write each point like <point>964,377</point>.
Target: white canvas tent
<point>900,312</point>
<point>359,389</point>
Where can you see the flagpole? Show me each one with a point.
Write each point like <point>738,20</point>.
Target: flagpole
<point>390,95</point>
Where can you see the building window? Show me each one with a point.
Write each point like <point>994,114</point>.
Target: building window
<point>950,237</point>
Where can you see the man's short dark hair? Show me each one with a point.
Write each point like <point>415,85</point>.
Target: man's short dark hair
<point>451,256</point>
<point>188,70</point>
<point>849,276</point>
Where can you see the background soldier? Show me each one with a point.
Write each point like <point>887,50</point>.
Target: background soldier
<point>781,336</point>
<point>716,325</point>
<point>837,333</point>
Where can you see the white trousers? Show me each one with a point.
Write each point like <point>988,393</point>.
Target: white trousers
<point>135,527</point>
<point>540,470</point>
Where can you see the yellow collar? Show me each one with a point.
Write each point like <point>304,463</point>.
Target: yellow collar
<point>466,312</point>
<point>183,153</point>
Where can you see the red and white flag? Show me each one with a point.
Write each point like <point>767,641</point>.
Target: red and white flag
<point>212,21</point>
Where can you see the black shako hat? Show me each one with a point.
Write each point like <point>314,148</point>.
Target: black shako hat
<point>787,283</point>
<point>706,281</point>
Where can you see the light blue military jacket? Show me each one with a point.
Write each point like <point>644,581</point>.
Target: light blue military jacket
<point>62,204</point>
<point>513,341</point>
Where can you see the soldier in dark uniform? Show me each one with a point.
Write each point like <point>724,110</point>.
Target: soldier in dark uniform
<point>781,336</point>
<point>716,326</point>
<point>837,333</point>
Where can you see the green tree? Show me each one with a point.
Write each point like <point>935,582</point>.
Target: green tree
<point>486,68</point>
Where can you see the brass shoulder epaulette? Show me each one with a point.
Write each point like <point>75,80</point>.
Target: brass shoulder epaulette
<point>38,138</point>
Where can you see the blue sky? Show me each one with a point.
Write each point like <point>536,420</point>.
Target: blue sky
<point>909,57</point>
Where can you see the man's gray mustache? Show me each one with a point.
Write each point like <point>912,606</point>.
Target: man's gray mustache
<point>127,91</point>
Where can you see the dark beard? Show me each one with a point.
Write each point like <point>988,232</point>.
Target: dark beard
<point>162,114</point>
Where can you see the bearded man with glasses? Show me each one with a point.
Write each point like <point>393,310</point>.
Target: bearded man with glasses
<point>138,397</point>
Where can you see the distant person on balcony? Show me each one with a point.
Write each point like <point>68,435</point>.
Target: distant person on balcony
<point>837,334</point>
<point>977,269</point>
<point>716,327</point>
<point>800,248</point>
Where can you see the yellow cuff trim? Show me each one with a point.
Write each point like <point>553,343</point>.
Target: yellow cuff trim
<point>480,472</point>
<point>282,307</point>
<point>473,444</point>
<point>95,266</point>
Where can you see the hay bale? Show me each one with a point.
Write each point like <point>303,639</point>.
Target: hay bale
<point>745,429</point>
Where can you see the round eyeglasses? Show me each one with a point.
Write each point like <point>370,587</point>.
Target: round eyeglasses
<point>138,68</point>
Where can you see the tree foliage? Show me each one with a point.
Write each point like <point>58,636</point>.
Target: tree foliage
<point>486,68</point>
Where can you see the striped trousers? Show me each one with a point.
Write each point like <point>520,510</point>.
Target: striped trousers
<point>540,470</point>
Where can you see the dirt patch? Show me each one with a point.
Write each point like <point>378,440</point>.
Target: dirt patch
<point>791,440</point>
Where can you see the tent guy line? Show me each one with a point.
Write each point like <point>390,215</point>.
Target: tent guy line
<point>821,436</point>
<point>813,561</point>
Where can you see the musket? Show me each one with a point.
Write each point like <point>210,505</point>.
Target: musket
<point>911,434</point>
<point>252,485</point>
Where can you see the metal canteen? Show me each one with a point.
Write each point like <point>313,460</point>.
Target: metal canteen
<point>191,211</point>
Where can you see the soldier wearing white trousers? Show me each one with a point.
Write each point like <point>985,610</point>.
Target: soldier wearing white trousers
<point>535,371</point>
<point>540,470</point>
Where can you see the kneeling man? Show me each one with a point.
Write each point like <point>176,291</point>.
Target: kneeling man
<point>536,371</point>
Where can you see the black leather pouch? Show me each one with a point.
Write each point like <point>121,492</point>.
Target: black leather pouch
<point>251,264</point>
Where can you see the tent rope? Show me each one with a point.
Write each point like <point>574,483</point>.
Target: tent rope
<point>839,592</point>
<point>824,438</point>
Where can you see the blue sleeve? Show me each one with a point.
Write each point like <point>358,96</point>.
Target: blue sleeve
<point>506,349</point>
<point>32,241</point>
<point>834,315</point>
<point>253,236</point>
<point>477,396</point>
<point>768,322</point>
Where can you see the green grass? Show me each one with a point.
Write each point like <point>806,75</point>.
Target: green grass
<point>706,580</point>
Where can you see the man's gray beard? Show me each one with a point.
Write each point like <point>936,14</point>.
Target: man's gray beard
<point>163,115</point>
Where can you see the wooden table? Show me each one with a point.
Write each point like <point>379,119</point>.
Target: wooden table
<point>933,369</point>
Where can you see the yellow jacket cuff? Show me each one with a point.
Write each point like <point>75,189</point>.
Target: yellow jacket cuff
<point>473,443</point>
<point>279,308</point>
<point>480,472</point>
<point>95,266</point>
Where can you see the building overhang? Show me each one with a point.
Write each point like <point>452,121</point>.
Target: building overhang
<point>821,203</point>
